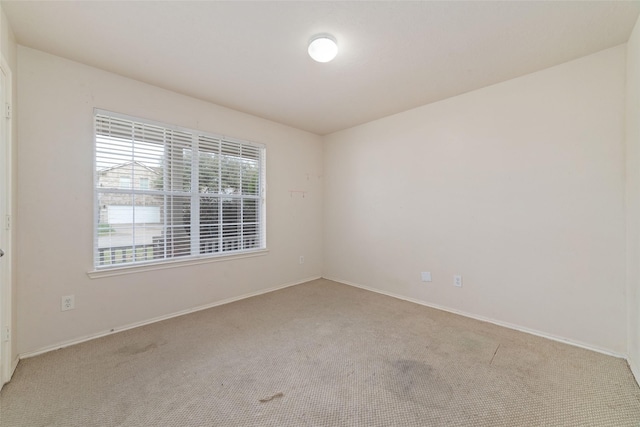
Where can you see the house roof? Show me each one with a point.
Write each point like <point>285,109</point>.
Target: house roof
<point>121,165</point>
<point>252,56</point>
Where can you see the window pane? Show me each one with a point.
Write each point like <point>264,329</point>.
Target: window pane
<point>250,236</point>
<point>127,226</point>
<point>250,210</point>
<point>176,239</point>
<point>126,152</point>
<point>231,224</point>
<point>177,162</point>
<point>209,164</point>
<point>209,224</point>
<point>230,175</point>
<point>114,228</point>
<point>250,177</point>
<point>209,173</point>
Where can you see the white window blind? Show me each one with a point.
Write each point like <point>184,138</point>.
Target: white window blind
<point>164,192</point>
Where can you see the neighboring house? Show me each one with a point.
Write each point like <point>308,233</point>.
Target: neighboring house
<point>118,208</point>
<point>220,217</point>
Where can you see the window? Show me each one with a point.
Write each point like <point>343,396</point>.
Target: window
<point>125,182</point>
<point>199,195</point>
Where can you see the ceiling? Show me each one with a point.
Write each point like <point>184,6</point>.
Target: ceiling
<point>252,56</point>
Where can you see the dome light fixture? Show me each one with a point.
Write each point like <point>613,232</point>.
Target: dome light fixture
<point>323,48</point>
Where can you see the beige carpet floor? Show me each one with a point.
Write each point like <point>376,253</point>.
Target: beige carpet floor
<point>321,354</point>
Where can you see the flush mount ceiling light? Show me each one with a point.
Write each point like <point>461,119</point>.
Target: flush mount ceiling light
<point>323,48</point>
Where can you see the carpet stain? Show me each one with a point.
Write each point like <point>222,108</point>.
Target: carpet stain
<point>413,380</point>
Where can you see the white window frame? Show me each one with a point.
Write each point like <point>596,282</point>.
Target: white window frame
<point>194,195</point>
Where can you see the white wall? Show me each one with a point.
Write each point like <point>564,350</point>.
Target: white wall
<point>633,198</point>
<point>519,187</point>
<point>8,47</point>
<point>55,205</point>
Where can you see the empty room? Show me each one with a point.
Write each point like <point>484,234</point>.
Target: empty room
<point>318,213</point>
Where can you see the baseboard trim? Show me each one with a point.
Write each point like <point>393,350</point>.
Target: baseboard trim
<point>635,370</point>
<point>14,365</point>
<point>90,337</point>
<point>486,319</point>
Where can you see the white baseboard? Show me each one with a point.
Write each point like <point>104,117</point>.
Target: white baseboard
<point>635,370</point>
<point>158,319</point>
<point>486,319</point>
<point>14,365</point>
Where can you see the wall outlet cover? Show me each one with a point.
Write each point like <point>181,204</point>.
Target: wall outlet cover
<point>68,302</point>
<point>457,281</point>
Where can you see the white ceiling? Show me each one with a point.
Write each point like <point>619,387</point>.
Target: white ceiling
<point>251,56</point>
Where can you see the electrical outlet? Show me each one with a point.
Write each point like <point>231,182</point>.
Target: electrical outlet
<point>426,276</point>
<point>457,281</point>
<point>301,261</point>
<point>68,303</point>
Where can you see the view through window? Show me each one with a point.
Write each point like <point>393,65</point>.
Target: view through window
<point>164,192</point>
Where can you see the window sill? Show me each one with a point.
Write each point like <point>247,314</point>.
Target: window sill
<point>139,268</point>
